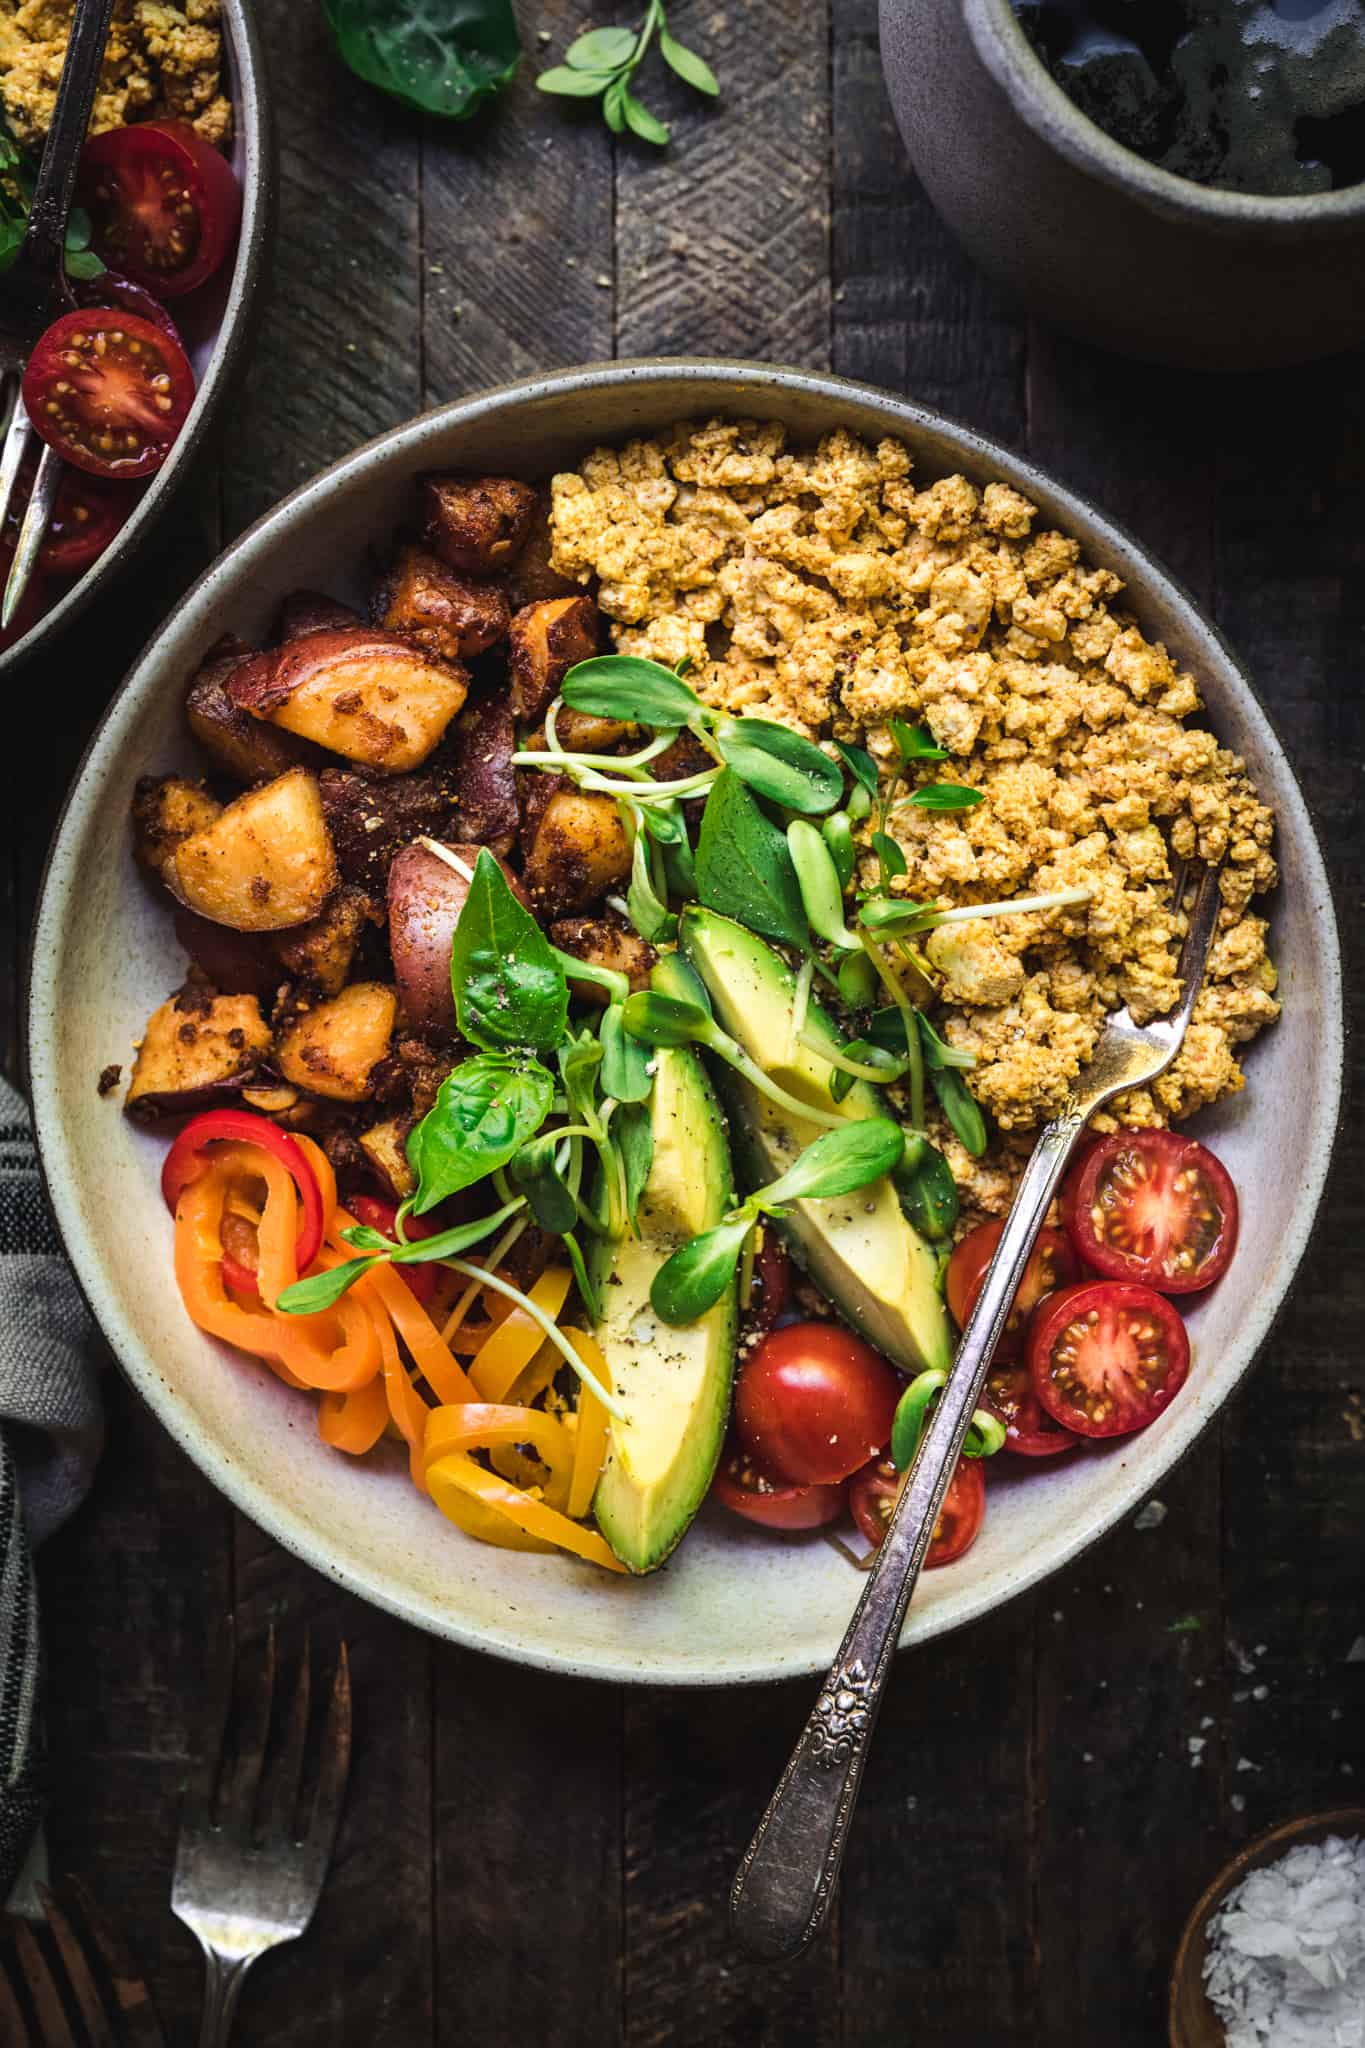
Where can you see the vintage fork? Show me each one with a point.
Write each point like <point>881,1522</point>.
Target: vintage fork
<point>84,1976</point>
<point>249,1865</point>
<point>784,1885</point>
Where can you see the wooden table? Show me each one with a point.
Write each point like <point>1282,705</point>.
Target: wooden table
<point>532,1860</point>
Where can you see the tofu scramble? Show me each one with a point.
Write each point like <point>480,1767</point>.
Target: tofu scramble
<point>825,590</point>
<point>163,61</point>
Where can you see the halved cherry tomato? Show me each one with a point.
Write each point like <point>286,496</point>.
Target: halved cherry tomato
<point>109,392</point>
<point>873,1492</point>
<point>185,1162</point>
<point>814,1402</point>
<point>87,514</point>
<point>1030,1431</point>
<point>1154,1207</point>
<point>1052,1265</point>
<point>381,1214</point>
<point>1107,1357</point>
<point>109,289</point>
<point>164,205</point>
<point>749,1489</point>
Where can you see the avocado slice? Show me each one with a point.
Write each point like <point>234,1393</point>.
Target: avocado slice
<point>674,1384</point>
<point>861,1249</point>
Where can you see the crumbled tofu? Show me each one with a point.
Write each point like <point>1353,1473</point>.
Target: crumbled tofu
<point>162,61</point>
<point>823,589</point>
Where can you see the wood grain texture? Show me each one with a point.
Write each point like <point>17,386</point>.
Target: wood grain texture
<point>722,242</point>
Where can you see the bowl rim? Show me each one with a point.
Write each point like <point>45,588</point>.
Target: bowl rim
<point>253,111</point>
<point>1012,61</point>
<point>292,1529</point>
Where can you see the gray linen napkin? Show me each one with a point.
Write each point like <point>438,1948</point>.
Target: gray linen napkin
<point>51,1433</point>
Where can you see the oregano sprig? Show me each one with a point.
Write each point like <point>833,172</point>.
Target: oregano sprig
<point>603,62</point>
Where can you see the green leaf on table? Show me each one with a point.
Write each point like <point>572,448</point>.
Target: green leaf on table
<point>697,1275</point>
<point>441,57</point>
<point>629,687</point>
<point>641,122</point>
<point>484,1112</point>
<point>588,1293</point>
<point>601,49</point>
<point>691,68</point>
<point>838,1163</point>
<point>744,866</point>
<point>780,765</point>
<point>913,743</point>
<point>508,985</point>
<point>573,85</point>
<point>614,111</point>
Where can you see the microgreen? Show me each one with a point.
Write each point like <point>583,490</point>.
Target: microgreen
<point>913,743</point>
<point>16,197</point>
<point>944,796</point>
<point>535,1173</point>
<point>960,1107</point>
<point>629,687</point>
<point>817,877</point>
<point>744,867</point>
<point>665,1020</point>
<point>603,62</point>
<point>838,837</point>
<point>323,1290</point>
<point>625,1069</point>
<point>780,765</point>
<point>985,1432</point>
<point>437,56</point>
<point>927,1190</point>
<point>860,765</point>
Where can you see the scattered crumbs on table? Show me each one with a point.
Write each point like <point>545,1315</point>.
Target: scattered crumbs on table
<point>1087,1756</point>
<point>1240,1658</point>
<point>1353,1415</point>
<point>1188,1625</point>
<point>1244,1763</point>
<point>1356,1653</point>
<point>602,281</point>
<point>109,1079</point>
<point>1285,1961</point>
<point>1056,1614</point>
<point>1150,1517</point>
<point>1207,1721</point>
<point>1260,1692</point>
<point>1197,1744</point>
<point>1238,1802</point>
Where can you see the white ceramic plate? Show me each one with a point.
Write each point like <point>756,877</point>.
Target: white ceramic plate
<point>734,1605</point>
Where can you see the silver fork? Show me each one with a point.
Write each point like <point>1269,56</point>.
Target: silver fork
<point>249,1864</point>
<point>784,1885</point>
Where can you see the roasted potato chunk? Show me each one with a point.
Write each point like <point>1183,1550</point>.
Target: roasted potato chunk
<point>543,643</point>
<point>576,852</point>
<point>312,611</point>
<point>168,810</point>
<point>385,1147</point>
<point>356,691</point>
<point>320,954</point>
<point>483,780</point>
<point>333,1048</point>
<point>265,863</point>
<point>199,1050</point>
<point>604,942</point>
<point>371,817</point>
<point>581,733</point>
<point>234,963</point>
<point>452,617</point>
<point>426,896</point>
<point>233,740</point>
<point>533,576</point>
<point>476,523</point>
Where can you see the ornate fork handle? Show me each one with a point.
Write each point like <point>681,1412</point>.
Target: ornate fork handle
<point>785,1882</point>
<point>223,1980</point>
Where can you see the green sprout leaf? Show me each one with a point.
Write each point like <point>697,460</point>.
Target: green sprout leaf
<point>744,866</point>
<point>632,1133</point>
<point>696,1276</point>
<point>641,122</point>
<point>625,1067</point>
<point>913,743</point>
<point>665,1020</point>
<point>927,1190</point>
<point>780,765</point>
<point>860,766</point>
<point>535,1174</point>
<point>572,85</point>
<point>838,1163</point>
<point>890,857</point>
<point>628,687</point>
<point>960,1107</point>
<point>601,49</point>
<point>691,68</point>
<point>321,1290</point>
<point>945,796</point>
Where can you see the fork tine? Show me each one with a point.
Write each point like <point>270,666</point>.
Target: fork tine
<point>12,2024</point>
<point>47,2003</point>
<point>280,1786</point>
<point>141,2026</point>
<point>332,1770</point>
<point>239,1774</point>
<point>93,2014</point>
<point>17,433</point>
<point>37,514</point>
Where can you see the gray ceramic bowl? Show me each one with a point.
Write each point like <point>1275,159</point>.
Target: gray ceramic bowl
<point>1099,241</point>
<point>734,1604</point>
<point>215,324</point>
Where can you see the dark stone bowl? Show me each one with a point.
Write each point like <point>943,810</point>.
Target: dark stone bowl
<point>1097,240</point>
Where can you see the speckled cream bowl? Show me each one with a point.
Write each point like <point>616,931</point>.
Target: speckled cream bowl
<point>734,1605</point>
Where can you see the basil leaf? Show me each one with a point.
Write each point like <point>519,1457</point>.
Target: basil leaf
<point>601,49</point>
<point>632,1133</point>
<point>483,1114</point>
<point>859,764</point>
<point>691,68</point>
<point>946,796</point>
<point>625,1065</point>
<point>644,124</point>
<point>937,1052</point>
<point>438,56</point>
<point>664,1020</point>
<point>83,263</point>
<point>780,765</point>
<point>913,743</point>
<point>321,1290</point>
<point>508,984</point>
<point>591,1299</point>
<point>744,865</point>
<point>927,1190</point>
<point>839,1162</point>
<point>536,1175</point>
<point>628,686</point>
<point>574,85</point>
<point>698,1274</point>
<point>890,855</point>
<point>960,1107</point>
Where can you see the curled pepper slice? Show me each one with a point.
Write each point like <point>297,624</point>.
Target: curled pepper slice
<point>186,1161</point>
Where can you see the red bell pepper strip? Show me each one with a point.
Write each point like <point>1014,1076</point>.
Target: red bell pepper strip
<point>185,1162</point>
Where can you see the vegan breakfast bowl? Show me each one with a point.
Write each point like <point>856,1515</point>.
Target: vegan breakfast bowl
<point>644,823</point>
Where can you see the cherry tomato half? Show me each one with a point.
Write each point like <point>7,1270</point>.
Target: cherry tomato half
<point>1107,1357</point>
<point>1154,1207</point>
<point>873,1492</point>
<point>88,512</point>
<point>111,290</point>
<point>164,205</point>
<point>749,1489</point>
<point>109,392</point>
<point>814,1402</point>
<point>381,1214</point>
<point>1052,1265</point>
<point>1030,1431</point>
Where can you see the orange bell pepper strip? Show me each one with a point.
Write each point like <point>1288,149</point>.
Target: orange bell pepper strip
<point>446,1377</point>
<point>590,1437</point>
<point>506,1354</point>
<point>457,1477</point>
<point>354,1422</point>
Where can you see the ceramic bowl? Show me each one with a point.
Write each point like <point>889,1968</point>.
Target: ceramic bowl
<point>214,323</point>
<point>734,1604</point>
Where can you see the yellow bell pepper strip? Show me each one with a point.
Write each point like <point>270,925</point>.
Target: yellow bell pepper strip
<point>482,1425</point>
<point>456,1476</point>
<point>590,1438</point>
<point>517,1339</point>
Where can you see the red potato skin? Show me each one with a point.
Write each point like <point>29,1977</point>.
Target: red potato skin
<point>545,641</point>
<point>425,898</point>
<point>452,617</point>
<point>483,780</point>
<point>312,611</point>
<point>235,963</point>
<point>476,524</point>
<point>234,740</point>
<point>268,680</point>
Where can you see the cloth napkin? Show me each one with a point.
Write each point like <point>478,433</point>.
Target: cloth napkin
<point>51,1433</point>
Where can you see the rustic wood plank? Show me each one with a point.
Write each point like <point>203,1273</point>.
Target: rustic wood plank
<point>517,231</point>
<point>722,241</point>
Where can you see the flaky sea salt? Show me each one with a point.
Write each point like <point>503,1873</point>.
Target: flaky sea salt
<point>1285,1964</point>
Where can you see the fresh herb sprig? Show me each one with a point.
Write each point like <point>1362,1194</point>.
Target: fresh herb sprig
<point>603,62</point>
<point>985,1432</point>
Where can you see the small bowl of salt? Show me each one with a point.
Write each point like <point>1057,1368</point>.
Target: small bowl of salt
<point>1273,1955</point>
